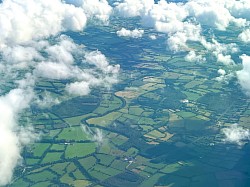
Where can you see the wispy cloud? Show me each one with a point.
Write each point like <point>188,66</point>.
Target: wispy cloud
<point>96,135</point>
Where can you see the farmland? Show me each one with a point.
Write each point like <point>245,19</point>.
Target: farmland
<point>159,126</point>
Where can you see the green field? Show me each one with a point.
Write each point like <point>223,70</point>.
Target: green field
<point>51,157</point>
<point>161,125</point>
<point>72,134</point>
<point>79,150</point>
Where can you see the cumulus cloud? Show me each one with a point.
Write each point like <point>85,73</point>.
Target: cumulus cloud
<point>165,17</point>
<point>218,14</point>
<point>245,36</point>
<point>238,9</point>
<point>189,32</point>
<point>26,27</point>
<point>236,134</point>
<point>78,88</point>
<point>130,33</point>
<point>20,55</point>
<point>193,57</point>
<point>94,9</point>
<point>210,13</point>
<point>63,51</point>
<point>11,141</point>
<point>183,22</point>
<point>222,72</point>
<point>91,70</point>
<point>100,61</point>
<point>130,8</point>
<point>165,14</point>
<point>104,74</point>
<point>220,50</point>
<point>152,37</point>
<point>23,21</point>
<point>99,9</point>
<point>60,64</point>
<point>225,59</point>
<point>244,74</point>
<point>53,70</point>
<point>224,76</point>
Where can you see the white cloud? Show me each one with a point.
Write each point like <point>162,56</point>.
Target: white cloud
<point>210,13</point>
<point>78,88</point>
<point>236,134</point>
<point>224,76</point>
<point>20,54</point>
<point>225,59</point>
<point>47,100</point>
<point>131,8</point>
<point>165,12</point>
<point>238,9</point>
<point>130,33</point>
<point>222,72</point>
<point>183,22</point>
<point>27,135</point>
<point>100,61</point>
<point>189,32</point>
<point>164,17</point>
<point>10,141</point>
<point>245,36</point>
<point>53,70</point>
<point>152,37</point>
<point>244,74</point>
<point>221,51</point>
<point>96,135</point>
<point>63,51</point>
<point>97,9</point>
<point>193,57</point>
<point>26,20</point>
<point>101,74</point>
<point>25,27</point>
<point>61,64</point>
